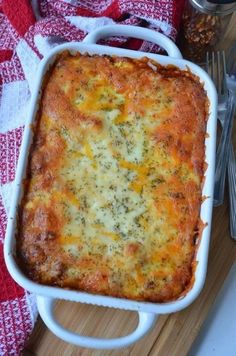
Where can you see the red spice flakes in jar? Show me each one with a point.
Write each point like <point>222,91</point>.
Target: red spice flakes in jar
<point>203,24</point>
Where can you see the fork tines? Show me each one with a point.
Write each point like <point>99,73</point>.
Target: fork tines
<point>216,68</point>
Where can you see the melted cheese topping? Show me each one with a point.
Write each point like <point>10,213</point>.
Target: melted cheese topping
<point>113,192</point>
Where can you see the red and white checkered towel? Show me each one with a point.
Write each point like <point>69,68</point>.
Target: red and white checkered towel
<point>27,31</point>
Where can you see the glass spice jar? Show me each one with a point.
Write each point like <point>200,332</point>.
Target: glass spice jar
<point>204,22</point>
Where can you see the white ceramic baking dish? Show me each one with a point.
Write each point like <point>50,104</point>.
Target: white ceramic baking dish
<point>46,295</point>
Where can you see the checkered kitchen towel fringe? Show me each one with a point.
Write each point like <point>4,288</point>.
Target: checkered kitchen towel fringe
<point>27,31</point>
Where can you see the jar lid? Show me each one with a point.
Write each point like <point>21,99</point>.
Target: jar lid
<point>215,7</point>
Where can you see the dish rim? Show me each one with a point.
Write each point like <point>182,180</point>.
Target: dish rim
<point>206,208</point>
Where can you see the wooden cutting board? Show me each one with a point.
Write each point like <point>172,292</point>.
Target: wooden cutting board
<point>173,334</point>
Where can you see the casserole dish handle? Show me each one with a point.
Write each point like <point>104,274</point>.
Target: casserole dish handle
<point>135,32</point>
<point>46,311</point>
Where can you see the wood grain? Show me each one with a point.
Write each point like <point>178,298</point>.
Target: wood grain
<point>173,334</point>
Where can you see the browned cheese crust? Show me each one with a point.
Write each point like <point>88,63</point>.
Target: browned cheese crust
<point>113,189</point>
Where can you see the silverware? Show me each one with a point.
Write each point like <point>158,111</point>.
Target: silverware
<point>216,68</point>
<point>231,83</point>
<point>232,191</point>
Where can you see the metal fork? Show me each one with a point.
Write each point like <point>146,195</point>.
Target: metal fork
<point>216,68</point>
<point>231,83</point>
<point>232,191</point>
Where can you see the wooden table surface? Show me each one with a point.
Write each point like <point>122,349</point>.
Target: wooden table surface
<point>173,334</point>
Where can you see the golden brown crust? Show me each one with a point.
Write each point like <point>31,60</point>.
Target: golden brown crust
<point>113,189</point>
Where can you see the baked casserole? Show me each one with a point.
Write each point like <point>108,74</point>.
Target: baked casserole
<point>113,189</point>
